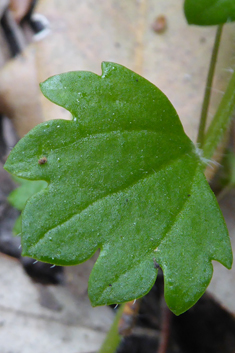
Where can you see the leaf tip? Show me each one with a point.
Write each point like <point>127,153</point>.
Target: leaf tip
<point>8,166</point>
<point>228,261</point>
<point>41,86</point>
<point>108,68</point>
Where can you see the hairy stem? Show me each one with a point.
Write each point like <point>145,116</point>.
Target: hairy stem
<point>207,94</point>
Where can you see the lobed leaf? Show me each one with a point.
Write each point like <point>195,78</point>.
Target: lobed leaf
<point>124,178</point>
<point>209,12</point>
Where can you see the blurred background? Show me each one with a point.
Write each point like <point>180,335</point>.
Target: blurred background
<point>47,309</point>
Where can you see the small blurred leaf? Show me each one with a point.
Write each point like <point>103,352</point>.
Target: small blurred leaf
<point>124,178</point>
<point>16,230</point>
<point>19,196</point>
<point>209,12</point>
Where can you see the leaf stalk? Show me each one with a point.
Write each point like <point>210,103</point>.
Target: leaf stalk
<point>209,81</point>
<point>221,121</point>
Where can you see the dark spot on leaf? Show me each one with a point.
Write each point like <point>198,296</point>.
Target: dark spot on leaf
<point>189,195</point>
<point>137,80</point>
<point>126,200</point>
<point>110,285</point>
<point>42,160</point>
<point>156,265</point>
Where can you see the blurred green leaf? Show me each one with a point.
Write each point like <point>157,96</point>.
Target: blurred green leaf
<point>209,12</point>
<point>19,197</point>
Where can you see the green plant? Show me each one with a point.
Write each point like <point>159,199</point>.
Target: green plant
<point>124,178</point>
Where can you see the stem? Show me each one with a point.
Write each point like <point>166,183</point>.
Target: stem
<point>207,94</point>
<point>166,327</point>
<point>221,121</point>
<point>113,338</point>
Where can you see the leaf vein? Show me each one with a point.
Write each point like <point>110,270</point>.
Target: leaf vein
<point>108,133</point>
<point>108,194</point>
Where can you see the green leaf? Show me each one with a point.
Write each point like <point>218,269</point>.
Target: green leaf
<point>209,12</point>
<point>19,196</point>
<point>124,178</point>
